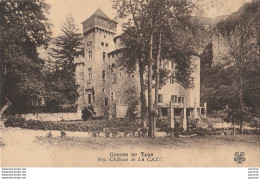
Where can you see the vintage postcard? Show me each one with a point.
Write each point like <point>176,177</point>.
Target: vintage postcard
<point>130,83</point>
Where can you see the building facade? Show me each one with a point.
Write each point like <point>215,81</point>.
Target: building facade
<point>110,90</point>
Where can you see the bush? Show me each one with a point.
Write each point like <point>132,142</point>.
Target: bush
<point>86,114</point>
<point>251,132</point>
<point>88,126</point>
<point>15,122</point>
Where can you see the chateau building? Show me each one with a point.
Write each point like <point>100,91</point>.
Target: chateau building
<point>110,90</point>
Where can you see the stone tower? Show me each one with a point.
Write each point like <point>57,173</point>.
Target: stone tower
<point>92,72</point>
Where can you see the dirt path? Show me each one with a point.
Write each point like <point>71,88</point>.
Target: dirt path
<point>31,148</point>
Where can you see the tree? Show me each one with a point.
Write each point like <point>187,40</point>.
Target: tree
<point>146,19</point>
<point>240,32</point>
<point>24,27</point>
<point>67,45</point>
<point>133,56</point>
<point>63,79</point>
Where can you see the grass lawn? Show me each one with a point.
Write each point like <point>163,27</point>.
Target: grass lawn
<point>166,143</point>
<point>31,148</point>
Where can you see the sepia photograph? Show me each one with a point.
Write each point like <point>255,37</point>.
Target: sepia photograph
<point>130,83</point>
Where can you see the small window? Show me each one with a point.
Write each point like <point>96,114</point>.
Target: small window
<point>114,78</point>
<point>105,36</point>
<point>103,74</point>
<point>89,73</point>
<point>113,66</point>
<point>90,42</point>
<point>104,55</point>
<point>113,56</point>
<point>172,65</point>
<point>89,98</point>
<point>112,96</point>
<point>180,99</point>
<point>103,90</point>
<point>106,45</point>
<point>171,80</point>
<point>160,98</point>
<point>102,43</point>
<point>81,73</point>
<point>164,112</point>
<point>89,55</point>
<point>106,101</point>
<point>174,98</point>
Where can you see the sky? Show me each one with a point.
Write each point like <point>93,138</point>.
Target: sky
<point>82,9</point>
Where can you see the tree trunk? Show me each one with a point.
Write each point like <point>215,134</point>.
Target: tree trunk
<point>142,94</point>
<point>150,107</point>
<point>7,105</point>
<point>233,124</point>
<point>258,38</point>
<point>241,103</point>
<point>157,82</point>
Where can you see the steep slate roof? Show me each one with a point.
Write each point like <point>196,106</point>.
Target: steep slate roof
<point>99,13</point>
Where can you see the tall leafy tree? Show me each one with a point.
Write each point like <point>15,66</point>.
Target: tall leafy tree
<point>23,27</point>
<point>240,31</point>
<point>234,85</point>
<point>149,33</point>
<point>66,46</point>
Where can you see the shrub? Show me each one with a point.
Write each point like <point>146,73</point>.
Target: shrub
<point>86,114</point>
<point>118,125</point>
<point>15,122</point>
<point>250,132</point>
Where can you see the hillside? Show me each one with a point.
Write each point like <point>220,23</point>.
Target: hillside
<point>232,55</point>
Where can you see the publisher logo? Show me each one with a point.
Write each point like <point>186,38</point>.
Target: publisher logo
<point>239,157</point>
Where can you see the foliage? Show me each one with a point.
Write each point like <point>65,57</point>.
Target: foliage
<point>180,34</point>
<point>86,114</point>
<point>132,99</point>
<point>63,88</point>
<point>116,125</point>
<point>24,27</point>
<point>154,28</point>
<point>67,45</point>
<point>234,115</point>
<point>62,91</point>
<point>232,88</point>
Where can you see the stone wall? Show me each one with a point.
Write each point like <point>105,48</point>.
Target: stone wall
<point>119,88</point>
<point>53,116</point>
